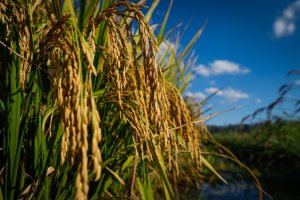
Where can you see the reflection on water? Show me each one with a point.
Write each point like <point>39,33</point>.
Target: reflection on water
<point>234,190</point>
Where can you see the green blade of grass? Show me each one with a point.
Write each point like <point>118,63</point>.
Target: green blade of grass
<point>151,10</point>
<point>159,162</point>
<point>14,125</point>
<point>192,42</point>
<point>115,174</point>
<point>91,5</point>
<point>127,162</point>
<point>144,182</point>
<point>47,115</point>
<point>163,25</point>
<point>211,168</point>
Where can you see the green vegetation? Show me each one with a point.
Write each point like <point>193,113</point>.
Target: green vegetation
<point>87,111</point>
<point>271,150</point>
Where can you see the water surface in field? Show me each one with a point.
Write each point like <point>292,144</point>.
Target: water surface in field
<point>234,190</point>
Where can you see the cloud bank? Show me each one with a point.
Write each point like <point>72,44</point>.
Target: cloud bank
<point>197,95</point>
<point>285,25</point>
<point>220,67</point>
<point>229,93</point>
<point>258,100</point>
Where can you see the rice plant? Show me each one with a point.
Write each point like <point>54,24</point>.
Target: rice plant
<point>86,110</point>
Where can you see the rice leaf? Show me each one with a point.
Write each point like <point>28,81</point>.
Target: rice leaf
<point>116,176</point>
<point>211,168</point>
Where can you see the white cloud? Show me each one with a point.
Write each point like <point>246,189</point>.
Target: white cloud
<point>212,90</point>
<point>167,49</point>
<point>166,46</point>
<point>219,67</point>
<point>192,77</point>
<point>258,100</point>
<point>202,70</point>
<point>285,25</point>
<point>229,93</point>
<point>297,82</point>
<point>213,82</point>
<point>197,95</point>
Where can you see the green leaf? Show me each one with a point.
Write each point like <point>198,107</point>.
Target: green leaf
<point>145,190</point>
<point>151,10</point>
<point>127,162</point>
<point>163,25</point>
<point>89,8</point>
<point>48,113</point>
<point>68,8</point>
<point>211,168</point>
<point>159,162</point>
<point>192,42</point>
<point>115,174</point>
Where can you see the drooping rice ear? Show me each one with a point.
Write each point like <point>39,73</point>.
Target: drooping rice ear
<point>24,47</point>
<point>153,102</point>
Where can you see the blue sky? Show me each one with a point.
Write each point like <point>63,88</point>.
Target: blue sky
<point>247,47</point>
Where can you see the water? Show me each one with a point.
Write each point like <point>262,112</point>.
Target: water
<point>234,190</point>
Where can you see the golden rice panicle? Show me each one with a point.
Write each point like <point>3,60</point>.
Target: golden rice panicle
<point>3,7</point>
<point>7,18</point>
<point>20,17</point>
<point>181,122</point>
<point>97,159</point>
<point>117,56</point>
<point>89,49</point>
<point>66,79</point>
<point>152,106</point>
<point>74,96</point>
<point>24,44</point>
<point>121,64</point>
<point>155,107</point>
<point>82,185</point>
